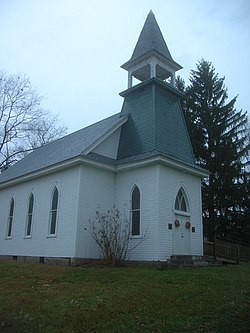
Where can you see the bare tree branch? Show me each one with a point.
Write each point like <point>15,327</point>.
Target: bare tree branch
<point>24,124</point>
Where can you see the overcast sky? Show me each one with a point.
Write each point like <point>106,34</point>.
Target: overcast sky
<point>72,49</point>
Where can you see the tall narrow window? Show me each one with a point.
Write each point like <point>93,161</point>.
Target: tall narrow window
<point>10,218</point>
<point>181,201</point>
<point>53,212</point>
<point>29,216</point>
<point>135,212</point>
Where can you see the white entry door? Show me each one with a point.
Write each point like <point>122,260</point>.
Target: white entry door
<point>182,235</point>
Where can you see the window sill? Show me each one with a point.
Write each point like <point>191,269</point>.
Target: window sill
<point>8,238</point>
<point>51,236</point>
<point>135,237</point>
<point>27,237</point>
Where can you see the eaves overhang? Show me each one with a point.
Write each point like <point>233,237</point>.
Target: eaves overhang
<point>163,160</point>
<point>57,168</point>
<point>153,52</point>
<point>156,81</point>
<point>145,159</point>
<point>116,166</point>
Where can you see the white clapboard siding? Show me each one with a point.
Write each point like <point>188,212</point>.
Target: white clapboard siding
<point>40,244</point>
<point>146,180</point>
<point>96,193</point>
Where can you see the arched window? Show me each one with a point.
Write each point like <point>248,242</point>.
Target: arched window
<point>10,218</point>
<point>29,215</point>
<point>181,202</point>
<point>135,211</point>
<point>53,212</point>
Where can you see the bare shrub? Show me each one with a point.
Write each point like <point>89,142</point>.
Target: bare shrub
<point>111,232</point>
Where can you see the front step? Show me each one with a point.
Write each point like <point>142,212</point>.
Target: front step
<point>187,260</point>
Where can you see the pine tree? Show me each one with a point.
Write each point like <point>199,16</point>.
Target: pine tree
<point>219,138</point>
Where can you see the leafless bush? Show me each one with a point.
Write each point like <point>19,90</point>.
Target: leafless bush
<point>112,232</point>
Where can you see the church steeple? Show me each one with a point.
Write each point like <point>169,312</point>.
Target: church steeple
<point>156,124</point>
<point>151,57</point>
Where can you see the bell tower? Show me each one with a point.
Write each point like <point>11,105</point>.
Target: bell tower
<point>156,124</point>
<point>151,57</point>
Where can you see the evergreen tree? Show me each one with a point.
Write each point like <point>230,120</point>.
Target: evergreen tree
<point>220,143</point>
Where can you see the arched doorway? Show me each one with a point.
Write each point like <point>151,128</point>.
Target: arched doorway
<point>182,224</point>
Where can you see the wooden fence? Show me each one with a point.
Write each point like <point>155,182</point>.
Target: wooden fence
<point>227,251</point>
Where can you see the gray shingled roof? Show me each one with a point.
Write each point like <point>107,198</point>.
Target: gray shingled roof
<point>63,149</point>
<point>150,39</point>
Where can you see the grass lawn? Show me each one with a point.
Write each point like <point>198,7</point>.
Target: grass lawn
<point>42,298</point>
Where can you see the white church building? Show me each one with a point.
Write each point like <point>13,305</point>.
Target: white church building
<point>139,160</point>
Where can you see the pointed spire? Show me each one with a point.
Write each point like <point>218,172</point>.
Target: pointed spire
<point>151,39</point>
<point>151,57</point>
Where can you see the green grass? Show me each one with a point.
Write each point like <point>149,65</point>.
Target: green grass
<point>51,299</point>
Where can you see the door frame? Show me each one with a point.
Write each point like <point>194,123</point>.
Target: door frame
<point>181,209</point>
<point>184,248</point>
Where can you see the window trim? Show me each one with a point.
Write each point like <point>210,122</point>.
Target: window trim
<point>50,235</point>
<point>28,216</point>
<point>182,212</point>
<point>135,210</point>
<point>10,219</point>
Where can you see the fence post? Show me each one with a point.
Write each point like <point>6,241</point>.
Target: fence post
<point>214,249</point>
<point>238,253</point>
